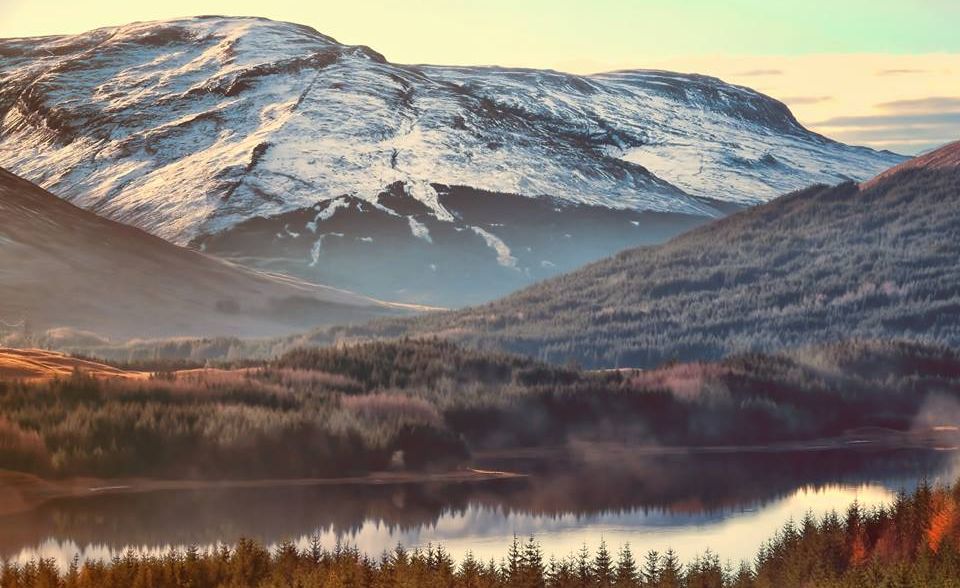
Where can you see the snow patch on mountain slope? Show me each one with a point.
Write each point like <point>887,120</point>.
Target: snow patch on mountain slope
<point>504,255</point>
<point>327,212</point>
<point>419,230</point>
<point>189,127</point>
<point>427,194</point>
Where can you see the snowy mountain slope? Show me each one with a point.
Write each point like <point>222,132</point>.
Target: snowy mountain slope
<point>188,128</point>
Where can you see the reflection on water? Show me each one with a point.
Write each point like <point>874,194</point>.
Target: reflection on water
<point>729,503</point>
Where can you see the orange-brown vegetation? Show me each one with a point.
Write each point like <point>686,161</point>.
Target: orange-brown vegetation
<point>40,364</point>
<point>349,410</point>
<point>945,157</point>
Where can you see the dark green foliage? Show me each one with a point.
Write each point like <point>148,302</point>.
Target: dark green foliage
<point>816,266</point>
<point>603,572</point>
<point>626,575</point>
<point>412,363</point>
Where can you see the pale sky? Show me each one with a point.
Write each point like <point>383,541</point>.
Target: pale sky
<point>883,73</point>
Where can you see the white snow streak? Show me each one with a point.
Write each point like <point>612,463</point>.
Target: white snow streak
<point>419,230</point>
<point>504,255</point>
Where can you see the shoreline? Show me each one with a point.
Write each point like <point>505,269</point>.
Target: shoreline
<point>22,492</point>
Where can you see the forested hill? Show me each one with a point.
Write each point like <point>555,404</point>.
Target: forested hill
<point>817,265</point>
<point>415,404</point>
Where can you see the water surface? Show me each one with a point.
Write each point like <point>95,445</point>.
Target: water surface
<point>730,503</point>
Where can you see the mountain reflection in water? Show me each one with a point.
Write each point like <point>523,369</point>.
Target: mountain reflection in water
<point>729,503</point>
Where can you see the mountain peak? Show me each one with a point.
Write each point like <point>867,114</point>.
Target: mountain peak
<point>191,128</point>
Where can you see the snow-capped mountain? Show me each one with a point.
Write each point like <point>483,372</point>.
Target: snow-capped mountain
<point>191,128</point>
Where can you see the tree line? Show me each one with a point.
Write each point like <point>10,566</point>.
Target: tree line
<point>915,542</point>
<point>415,404</point>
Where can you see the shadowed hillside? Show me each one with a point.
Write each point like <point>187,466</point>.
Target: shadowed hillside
<point>818,265</point>
<point>61,266</point>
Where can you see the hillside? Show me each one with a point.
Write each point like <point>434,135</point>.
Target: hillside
<point>817,265</point>
<point>37,365</point>
<point>273,144</point>
<point>64,267</point>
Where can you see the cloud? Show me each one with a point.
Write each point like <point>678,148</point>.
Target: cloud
<point>898,72</point>
<point>909,129</point>
<point>903,146</point>
<point>932,104</point>
<point>821,87</point>
<point>887,121</point>
<point>900,135</point>
<point>761,72</point>
<point>806,99</point>
<point>903,133</point>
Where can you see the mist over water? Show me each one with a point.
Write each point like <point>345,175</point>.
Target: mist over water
<point>729,503</point>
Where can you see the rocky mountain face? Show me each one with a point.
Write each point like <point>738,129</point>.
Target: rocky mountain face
<point>271,143</point>
<point>820,265</point>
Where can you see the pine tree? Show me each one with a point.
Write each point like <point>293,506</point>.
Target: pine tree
<point>443,565</point>
<point>583,567</point>
<point>514,566</point>
<point>316,549</point>
<point>470,571</point>
<point>603,567</point>
<point>563,574</point>
<point>705,572</point>
<point>626,575</point>
<point>650,577</point>
<point>743,578</point>
<point>533,571</point>
<point>73,573</point>
<point>670,572</point>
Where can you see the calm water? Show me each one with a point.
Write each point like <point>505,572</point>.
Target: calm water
<point>728,503</point>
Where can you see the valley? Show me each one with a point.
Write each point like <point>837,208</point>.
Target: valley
<point>359,409</point>
<point>278,309</point>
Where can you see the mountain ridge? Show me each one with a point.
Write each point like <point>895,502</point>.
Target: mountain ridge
<point>944,157</point>
<point>815,266</point>
<point>189,128</point>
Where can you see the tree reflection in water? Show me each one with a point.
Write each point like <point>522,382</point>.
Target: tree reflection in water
<point>729,502</point>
